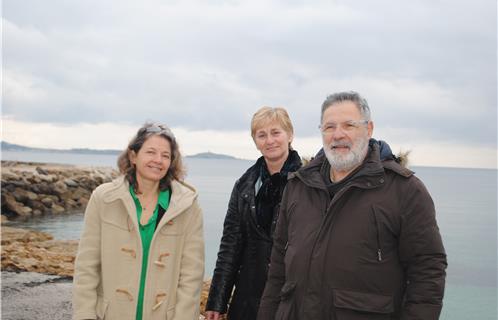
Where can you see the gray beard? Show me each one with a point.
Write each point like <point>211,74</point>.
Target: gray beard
<point>348,162</point>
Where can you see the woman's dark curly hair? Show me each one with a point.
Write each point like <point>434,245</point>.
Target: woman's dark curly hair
<point>176,169</point>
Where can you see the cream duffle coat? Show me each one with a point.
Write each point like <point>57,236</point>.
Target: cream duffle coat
<point>109,260</point>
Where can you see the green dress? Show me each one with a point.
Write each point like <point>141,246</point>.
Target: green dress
<point>146,234</point>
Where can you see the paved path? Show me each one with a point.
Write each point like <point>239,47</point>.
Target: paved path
<point>33,296</point>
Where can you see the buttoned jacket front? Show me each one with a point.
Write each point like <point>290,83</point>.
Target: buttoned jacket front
<point>109,260</point>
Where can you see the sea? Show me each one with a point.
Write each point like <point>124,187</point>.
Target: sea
<point>465,200</point>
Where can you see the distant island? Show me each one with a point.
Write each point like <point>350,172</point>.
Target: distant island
<point>6,146</point>
<point>16,147</point>
<point>211,155</point>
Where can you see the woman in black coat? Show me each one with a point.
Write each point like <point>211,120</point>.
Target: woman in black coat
<point>244,255</point>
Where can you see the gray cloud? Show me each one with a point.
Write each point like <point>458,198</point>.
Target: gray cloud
<point>428,66</point>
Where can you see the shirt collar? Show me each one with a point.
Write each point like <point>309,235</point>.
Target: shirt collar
<point>162,200</point>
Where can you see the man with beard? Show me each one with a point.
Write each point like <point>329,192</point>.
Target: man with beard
<point>357,236</point>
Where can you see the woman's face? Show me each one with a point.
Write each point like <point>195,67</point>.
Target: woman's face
<point>273,141</point>
<point>152,160</point>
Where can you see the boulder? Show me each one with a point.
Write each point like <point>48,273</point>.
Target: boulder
<point>57,209</point>
<point>40,170</point>
<point>48,178</point>
<point>70,204</point>
<point>24,196</point>
<point>33,188</point>
<point>47,202</point>
<point>71,183</point>
<point>10,176</point>
<point>11,205</point>
<point>80,193</point>
<point>44,188</point>
<point>10,235</point>
<point>82,202</point>
<point>59,188</point>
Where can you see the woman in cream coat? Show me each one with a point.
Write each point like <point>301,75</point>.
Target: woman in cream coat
<point>141,254</point>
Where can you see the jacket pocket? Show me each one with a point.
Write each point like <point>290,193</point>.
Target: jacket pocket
<point>353,305</point>
<point>170,313</point>
<point>378,234</point>
<point>287,290</point>
<point>286,306</point>
<point>101,308</point>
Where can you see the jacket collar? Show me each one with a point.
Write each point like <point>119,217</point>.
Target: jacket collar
<point>248,179</point>
<point>182,197</point>
<point>370,174</point>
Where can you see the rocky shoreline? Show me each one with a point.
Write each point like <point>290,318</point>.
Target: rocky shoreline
<point>37,269</point>
<point>33,261</point>
<point>30,188</point>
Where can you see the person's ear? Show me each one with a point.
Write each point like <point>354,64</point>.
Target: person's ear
<point>370,128</point>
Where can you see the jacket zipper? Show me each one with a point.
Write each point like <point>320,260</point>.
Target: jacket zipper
<point>377,228</point>
<point>325,215</point>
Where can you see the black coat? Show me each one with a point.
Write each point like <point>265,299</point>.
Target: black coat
<point>245,250</point>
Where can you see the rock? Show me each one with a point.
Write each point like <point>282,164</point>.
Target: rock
<point>80,193</point>
<point>40,170</point>
<point>42,188</point>
<point>4,219</point>
<point>59,187</point>
<point>10,235</point>
<point>83,202</point>
<point>33,188</point>
<point>11,205</point>
<point>9,176</point>
<point>26,250</point>
<point>55,258</point>
<point>36,205</point>
<point>24,196</point>
<point>48,178</point>
<point>71,204</point>
<point>12,185</point>
<point>71,183</point>
<point>35,179</point>
<point>47,202</point>
<point>57,209</point>
<point>8,186</point>
<point>37,253</point>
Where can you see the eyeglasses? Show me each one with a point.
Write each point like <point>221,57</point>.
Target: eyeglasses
<point>159,129</point>
<point>346,126</point>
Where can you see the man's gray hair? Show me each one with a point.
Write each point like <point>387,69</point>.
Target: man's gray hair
<point>352,96</point>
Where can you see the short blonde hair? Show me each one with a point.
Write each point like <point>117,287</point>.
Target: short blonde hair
<point>267,115</point>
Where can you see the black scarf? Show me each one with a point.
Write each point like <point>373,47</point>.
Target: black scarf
<point>270,193</point>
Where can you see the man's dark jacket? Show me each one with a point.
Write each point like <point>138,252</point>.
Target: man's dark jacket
<point>245,249</point>
<point>374,251</point>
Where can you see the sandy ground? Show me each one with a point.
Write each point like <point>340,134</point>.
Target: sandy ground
<point>33,296</point>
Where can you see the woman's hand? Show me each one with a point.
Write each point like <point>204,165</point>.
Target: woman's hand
<point>212,315</point>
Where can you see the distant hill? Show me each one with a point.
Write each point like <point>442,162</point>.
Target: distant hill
<point>16,147</point>
<point>211,155</point>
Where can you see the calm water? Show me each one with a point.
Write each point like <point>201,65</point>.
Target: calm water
<point>465,200</point>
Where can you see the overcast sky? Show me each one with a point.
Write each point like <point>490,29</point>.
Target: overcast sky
<point>87,74</point>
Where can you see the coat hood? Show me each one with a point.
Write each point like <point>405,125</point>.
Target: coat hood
<point>183,196</point>
<point>378,160</point>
